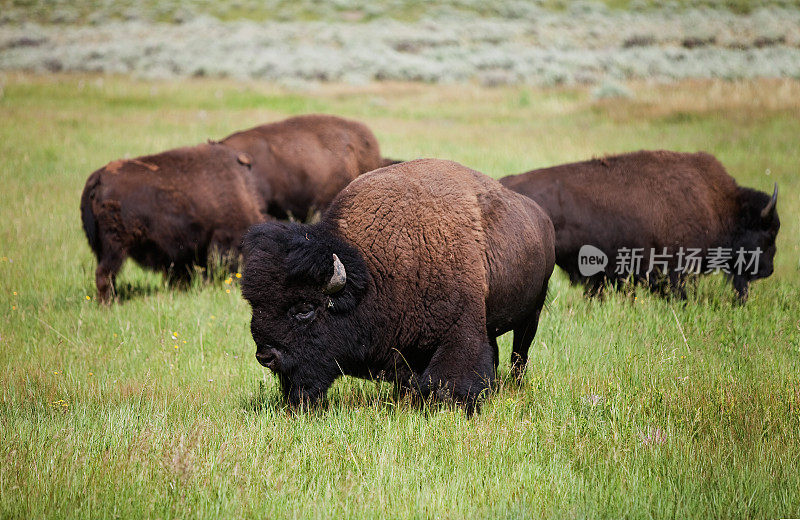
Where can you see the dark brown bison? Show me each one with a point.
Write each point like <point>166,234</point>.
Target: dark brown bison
<point>410,276</point>
<point>168,211</point>
<point>658,216</point>
<point>301,163</point>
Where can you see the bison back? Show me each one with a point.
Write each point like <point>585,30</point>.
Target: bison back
<point>301,163</point>
<point>440,237</point>
<point>648,199</point>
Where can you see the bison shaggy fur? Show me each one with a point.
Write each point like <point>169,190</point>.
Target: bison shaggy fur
<point>410,276</point>
<point>658,201</point>
<point>168,211</point>
<point>301,163</point>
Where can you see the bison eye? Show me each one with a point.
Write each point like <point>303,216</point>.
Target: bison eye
<point>304,312</point>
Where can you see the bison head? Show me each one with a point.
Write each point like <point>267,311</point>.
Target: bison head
<point>304,285</point>
<point>757,228</point>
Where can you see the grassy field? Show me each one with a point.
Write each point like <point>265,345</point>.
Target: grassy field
<point>96,12</point>
<point>633,407</point>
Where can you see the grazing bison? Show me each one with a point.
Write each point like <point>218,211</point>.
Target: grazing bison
<point>301,163</point>
<point>168,211</point>
<point>659,215</point>
<point>410,276</point>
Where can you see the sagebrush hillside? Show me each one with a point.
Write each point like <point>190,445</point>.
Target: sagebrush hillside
<point>511,42</point>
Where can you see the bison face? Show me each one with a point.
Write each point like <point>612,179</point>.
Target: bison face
<point>304,286</point>
<point>757,230</point>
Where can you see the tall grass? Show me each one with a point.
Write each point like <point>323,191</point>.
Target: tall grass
<point>631,407</point>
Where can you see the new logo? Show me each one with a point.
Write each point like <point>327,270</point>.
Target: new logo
<point>591,260</point>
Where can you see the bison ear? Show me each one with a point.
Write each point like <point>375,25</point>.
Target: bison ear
<point>769,209</point>
<point>245,159</point>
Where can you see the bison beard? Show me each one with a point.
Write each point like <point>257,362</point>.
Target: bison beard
<point>652,200</point>
<point>410,277</point>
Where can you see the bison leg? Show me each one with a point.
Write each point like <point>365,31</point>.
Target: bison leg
<point>495,350</point>
<point>594,287</point>
<point>179,276</point>
<point>460,370</point>
<point>742,287</point>
<point>523,337</point>
<point>224,251</point>
<point>107,268</point>
<point>677,285</point>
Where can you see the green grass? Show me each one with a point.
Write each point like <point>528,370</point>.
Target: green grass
<point>631,407</point>
<point>97,12</point>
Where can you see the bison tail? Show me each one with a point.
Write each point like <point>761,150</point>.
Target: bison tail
<point>385,161</point>
<point>88,217</point>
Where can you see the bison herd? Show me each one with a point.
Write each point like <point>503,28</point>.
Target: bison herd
<point>171,210</point>
<point>414,268</point>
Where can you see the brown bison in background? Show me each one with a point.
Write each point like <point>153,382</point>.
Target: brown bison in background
<point>410,276</point>
<point>168,211</point>
<point>684,212</point>
<point>301,163</point>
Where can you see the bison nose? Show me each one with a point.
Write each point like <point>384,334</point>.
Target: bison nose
<point>267,357</point>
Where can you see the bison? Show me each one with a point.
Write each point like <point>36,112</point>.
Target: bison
<point>410,276</point>
<point>661,215</point>
<point>168,211</point>
<point>301,163</point>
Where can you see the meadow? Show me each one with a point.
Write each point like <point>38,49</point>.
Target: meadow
<point>631,407</point>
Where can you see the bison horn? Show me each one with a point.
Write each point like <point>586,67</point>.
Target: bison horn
<point>771,204</point>
<point>339,278</point>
